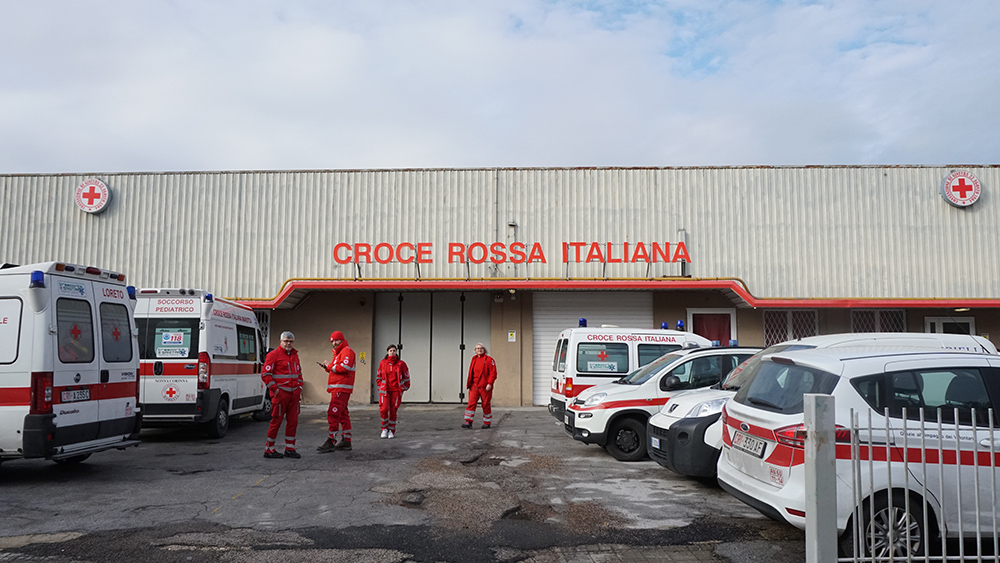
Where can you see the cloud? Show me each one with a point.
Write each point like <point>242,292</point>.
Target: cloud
<point>185,85</point>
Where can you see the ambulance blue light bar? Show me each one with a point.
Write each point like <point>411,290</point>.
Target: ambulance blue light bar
<point>209,298</point>
<point>37,279</point>
<point>583,322</point>
<point>665,325</point>
<point>131,292</point>
<point>680,324</point>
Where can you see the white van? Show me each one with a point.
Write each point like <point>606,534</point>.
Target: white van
<point>201,360</point>
<point>586,357</point>
<point>69,362</point>
<point>686,435</point>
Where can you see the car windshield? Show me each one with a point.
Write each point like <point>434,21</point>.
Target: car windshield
<point>640,376</point>
<point>744,372</point>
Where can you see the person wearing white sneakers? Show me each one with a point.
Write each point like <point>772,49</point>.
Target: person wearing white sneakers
<point>392,378</point>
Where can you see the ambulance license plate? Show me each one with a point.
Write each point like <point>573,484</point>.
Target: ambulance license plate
<point>75,395</point>
<point>566,419</point>
<point>654,441</point>
<point>748,444</point>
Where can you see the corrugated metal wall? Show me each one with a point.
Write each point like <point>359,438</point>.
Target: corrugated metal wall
<point>834,232</point>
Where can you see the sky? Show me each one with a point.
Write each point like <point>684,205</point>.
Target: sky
<point>205,85</point>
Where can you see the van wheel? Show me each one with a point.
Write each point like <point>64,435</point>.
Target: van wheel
<point>265,410</point>
<point>218,426</point>
<point>885,534</point>
<point>627,440</point>
<point>72,460</point>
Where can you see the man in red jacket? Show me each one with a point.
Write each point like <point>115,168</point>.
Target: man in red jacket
<point>282,374</point>
<point>482,376</point>
<point>340,385</point>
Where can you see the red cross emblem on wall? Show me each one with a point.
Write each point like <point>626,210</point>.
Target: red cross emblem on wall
<point>90,195</point>
<point>602,355</point>
<point>962,188</point>
<point>75,331</point>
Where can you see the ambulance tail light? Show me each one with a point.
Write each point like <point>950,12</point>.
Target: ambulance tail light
<point>569,387</point>
<point>795,436</point>
<point>94,271</point>
<point>41,392</point>
<point>37,279</point>
<point>204,371</point>
<point>149,291</point>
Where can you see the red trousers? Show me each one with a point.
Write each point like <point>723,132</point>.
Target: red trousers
<point>338,417</point>
<point>284,406</point>
<point>475,394</point>
<point>388,404</point>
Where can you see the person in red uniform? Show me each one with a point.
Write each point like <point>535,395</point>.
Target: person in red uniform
<point>392,377</point>
<point>340,385</point>
<point>482,376</point>
<point>282,374</point>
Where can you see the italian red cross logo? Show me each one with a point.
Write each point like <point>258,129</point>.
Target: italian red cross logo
<point>602,355</point>
<point>961,188</point>
<point>75,331</point>
<point>91,194</point>
<point>116,333</point>
<point>170,393</point>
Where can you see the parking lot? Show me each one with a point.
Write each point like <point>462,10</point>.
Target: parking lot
<point>523,491</point>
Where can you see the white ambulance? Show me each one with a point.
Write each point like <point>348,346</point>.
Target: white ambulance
<point>586,357</point>
<point>201,360</point>
<point>69,362</point>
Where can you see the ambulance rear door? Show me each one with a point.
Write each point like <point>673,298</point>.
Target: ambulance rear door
<point>170,331</point>
<point>76,374</point>
<point>118,361</point>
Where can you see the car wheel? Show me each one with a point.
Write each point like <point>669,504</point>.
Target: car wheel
<point>218,426</point>
<point>885,534</point>
<point>627,440</point>
<point>72,460</point>
<point>265,410</point>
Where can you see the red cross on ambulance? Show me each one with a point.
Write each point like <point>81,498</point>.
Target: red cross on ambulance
<point>602,355</point>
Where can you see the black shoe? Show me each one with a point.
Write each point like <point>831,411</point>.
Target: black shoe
<point>467,425</point>
<point>293,454</point>
<point>273,455</point>
<point>343,445</point>
<point>486,427</point>
<point>326,446</point>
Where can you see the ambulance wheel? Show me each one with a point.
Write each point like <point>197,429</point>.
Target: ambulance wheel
<point>265,410</point>
<point>218,426</point>
<point>627,440</point>
<point>72,460</point>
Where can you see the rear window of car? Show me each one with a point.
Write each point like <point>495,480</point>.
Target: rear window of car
<point>779,387</point>
<point>746,371</point>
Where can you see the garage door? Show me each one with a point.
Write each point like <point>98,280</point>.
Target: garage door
<point>553,313</point>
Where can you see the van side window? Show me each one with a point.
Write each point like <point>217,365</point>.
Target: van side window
<point>946,389</point>
<point>116,335</point>
<point>10,329</point>
<point>649,352</point>
<point>75,326</point>
<point>168,339</point>
<point>610,358</point>
<point>248,343</point>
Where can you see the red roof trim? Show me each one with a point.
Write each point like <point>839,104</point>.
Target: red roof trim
<point>734,285</point>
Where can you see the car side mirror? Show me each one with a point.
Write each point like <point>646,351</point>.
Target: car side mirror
<point>672,382</point>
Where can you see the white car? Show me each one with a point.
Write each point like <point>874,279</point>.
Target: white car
<point>686,435</point>
<point>762,461</point>
<point>614,415</point>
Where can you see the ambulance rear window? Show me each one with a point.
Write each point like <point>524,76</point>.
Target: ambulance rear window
<point>116,336</point>
<point>168,339</point>
<point>75,326</point>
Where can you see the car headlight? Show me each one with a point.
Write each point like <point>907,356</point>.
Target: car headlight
<point>595,399</point>
<point>707,408</point>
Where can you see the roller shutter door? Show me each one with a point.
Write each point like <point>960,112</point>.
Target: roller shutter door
<point>553,313</point>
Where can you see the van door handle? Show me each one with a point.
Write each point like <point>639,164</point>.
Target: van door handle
<point>985,442</point>
<point>157,368</point>
<point>105,376</point>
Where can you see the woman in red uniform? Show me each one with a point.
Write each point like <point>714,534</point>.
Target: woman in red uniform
<point>393,378</point>
<point>482,376</point>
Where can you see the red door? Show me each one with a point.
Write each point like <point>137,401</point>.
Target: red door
<point>713,326</point>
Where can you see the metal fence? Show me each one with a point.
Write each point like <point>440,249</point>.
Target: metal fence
<point>912,485</point>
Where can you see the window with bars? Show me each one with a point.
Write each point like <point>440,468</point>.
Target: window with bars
<point>780,326</point>
<point>878,320</point>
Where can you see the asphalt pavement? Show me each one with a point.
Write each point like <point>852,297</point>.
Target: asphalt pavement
<point>521,491</point>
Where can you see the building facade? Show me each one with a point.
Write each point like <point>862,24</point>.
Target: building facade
<point>437,260</point>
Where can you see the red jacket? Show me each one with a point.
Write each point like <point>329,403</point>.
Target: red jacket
<point>392,373</point>
<point>282,370</point>
<point>341,370</point>
<point>482,372</point>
